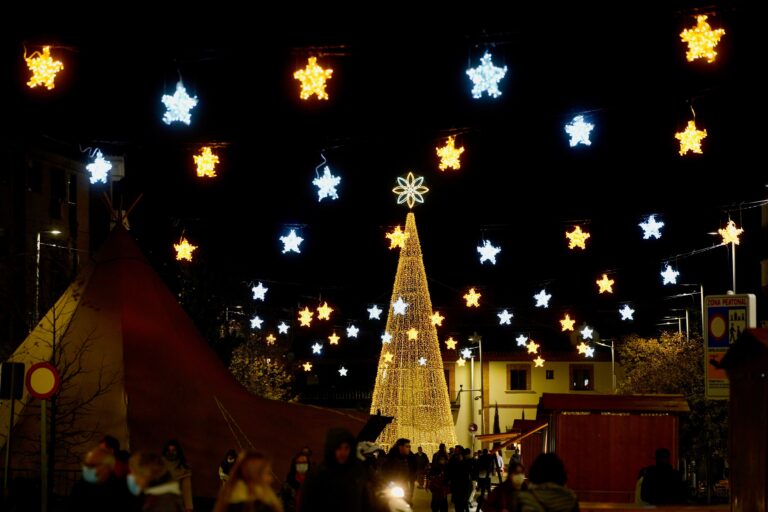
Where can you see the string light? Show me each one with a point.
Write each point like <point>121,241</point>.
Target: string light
<point>184,250</point>
<point>605,284</point>
<point>486,77</point>
<point>352,331</point>
<point>374,312</point>
<point>450,155</point>
<point>532,347</point>
<point>396,238</point>
<point>305,317</point>
<point>408,388</point>
<point>539,362</point>
<point>98,168</point>
<point>291,242</point>
<point>437,319</point>
<point>626,312</point>
<point>333,339</point>
<point>256,322</point>
<point>730,233</point>
<point>324,312</point>
<point>488,252</point>
<point>43,68</point>
<point>326,185</point>
<point>282,328</point>
<point>206,163</point>
<point>567,323</point>
<point>701,40</point>
<point>578,131</point>
<point>690,138</point>
<point>307,366</point>
<point>542,298</point>
<point>577,238</point>
<point>410,190</point>
<point>670,275</point>
<point>472,298</point>
<point>259,292</point>
<point>505,317</point>
<point>450,343</point>
<point>313,78</point>
<point>178,106</point>
<point>651,228</point>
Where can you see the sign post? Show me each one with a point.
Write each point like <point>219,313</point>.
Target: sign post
<point>726,317</point>
<point>42,383</point>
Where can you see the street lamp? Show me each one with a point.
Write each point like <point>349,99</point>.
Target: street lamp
<point>37,273</point>
<point>613,360</point>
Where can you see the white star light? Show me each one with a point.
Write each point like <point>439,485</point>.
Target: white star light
<point>352,331</point>
<point>422,361</point>
<point>178,105</point>
<point>374,312</point>
<point>399,306</point>
<point>589,352</point>
<point>586,332</point>
<point>282,328</point>
<point>326,185</point>
<point>343,371</point>
<point>98,168</point>
<point>542,298</point>
<point>291,242</point>
<point>259,292</point>
<point>627,312</point>
<point>488,252</point>
<point>317,348</point>
<point>466,353</point>
<point>578,130</point>
<point>651,228</point>
<point>256,322</point>
<point>522,340</point>
<point>670,275</point>
<point>386,337</point>
<point>486,77</point>
<point>505,317</point>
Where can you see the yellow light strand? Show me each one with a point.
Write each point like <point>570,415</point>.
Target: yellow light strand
<point>701,40</point>
<point>690,138</point>
<point>184,250</point>
<point>449,155</point>
<point>206,163</point>
<point>43,68</point>
<point>312,79</point>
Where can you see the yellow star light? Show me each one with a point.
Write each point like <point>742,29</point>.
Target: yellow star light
<point>413,334</point>
<point>449,155</point>
<point>567,323</point>
<point>532,347</point>
<point>690,139</point>
<point>410,190</point>
<point>324,312</point>
<point>184,249</point>
<point>271,339</point>
<point>43,68</point>
<point>333,339</point>
<point>312,79</point>
<point>582,348</point>
<point>388,357</point>
<point>437,319</point>
<point>305,317</point>
<point>577,238</point>
<point>461,362</point>
<point>206,163</point>
<point>451,343</point>
<point>472,298</point>
<point>307,366</point>
<point>397,238</point>
<point>605,284</point>
<point>730,233</point>
<point>539,362</point>
<point>701,40</point>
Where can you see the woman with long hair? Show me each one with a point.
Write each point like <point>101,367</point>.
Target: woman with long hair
<point>249,488</point>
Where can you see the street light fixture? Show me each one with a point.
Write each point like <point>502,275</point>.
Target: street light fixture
<point>37,272</point>
<point>613,360</point>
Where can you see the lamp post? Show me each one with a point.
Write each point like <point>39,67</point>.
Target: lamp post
<point>476,338</point>
<point>613,361</point>
<point>37,273</point>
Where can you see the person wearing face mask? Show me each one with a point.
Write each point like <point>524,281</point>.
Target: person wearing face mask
<point>504,498</point>
<point>150,477</point>
<point>99,489</point>
<point>226,466</point>
<point>176,464</point>
<point>291,491</point>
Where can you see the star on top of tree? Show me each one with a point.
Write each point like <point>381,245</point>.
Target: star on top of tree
<point>505,317</point>
<point>282,328</point>
<point>437,319</point>
<point>488,252</point>
<point>179,105</point>
<point>352,331</point>
<point>670,275</point>
<point>399,306</point>
<point>291,242</point>
<point>450,343</point>
<point>324,312</point>
<point>326,184</point>
<point>567,323</point>
<point>605,284</point>
<point>397,238</point>
<point>259,292</point>
<point>690,138</point>
<point>410,190</point>
<point>651,228</point>
<point>577,238</point>
<point>486,77</point>
<point>305,317</point>
<point>374,312</point>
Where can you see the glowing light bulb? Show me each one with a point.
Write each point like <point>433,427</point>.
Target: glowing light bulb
<point>450,155</point>
<point>43,68</point>
<point>206,163</point>
<point>178,106</point>
<point>690,138</point>
<point>701,40</point>
<point>313,78</point>
<point>486,77</point>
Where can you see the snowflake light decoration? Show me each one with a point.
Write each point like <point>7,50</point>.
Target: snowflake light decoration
<point>410,190</point>
<point>486,77</point>
<point>178,106</point>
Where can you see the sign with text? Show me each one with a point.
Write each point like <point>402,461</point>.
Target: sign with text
<point>725,318</point>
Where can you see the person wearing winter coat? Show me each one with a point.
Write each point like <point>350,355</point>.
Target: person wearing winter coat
<point>291,490</point>
<point>149,477</point>
<point>176,464</point>
<point>546,491</point>
<point>504,498</point>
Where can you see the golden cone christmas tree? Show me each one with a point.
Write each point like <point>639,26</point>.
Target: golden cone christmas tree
<point>410,381</point>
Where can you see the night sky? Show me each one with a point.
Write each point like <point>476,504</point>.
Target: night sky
<point>398,89</point>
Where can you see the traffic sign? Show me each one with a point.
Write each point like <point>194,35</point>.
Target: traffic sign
<point>42,380</point>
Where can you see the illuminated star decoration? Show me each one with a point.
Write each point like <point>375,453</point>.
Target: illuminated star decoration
<point>539,362</point>
<point>178,105</point>
<point>374,312</point>
<point>343,371</point>
<point>326,185</point>
<point>532,347</point>
<point>99,168</point>
<point>256,322</point>
<point>505,317</point>
<point>488,252</point>
<point>486,77</point>
<point>605,284</point>
<point>271,339</point>
<point>626,312</point>
<point>206,163</point>
<point>282,328</point>
<point>651,228</point>
<point>312,79</point>
<point>324,312</point>
<point>388,357</point>
<point>307,366</point>
<point>578,130</point>
<point>386,337</point>
<point>472,298</point>
<point>542,299</point>
<point>690,138</point>
<point>397,238</point>
<point>399,306</point>
<point>466,353</point>
<point>184,249</point>
<point>43,68</point>
<point>291,242</point>
<point>413,334</point>
<point>582,348</point>
<point>522,340</point>
<point>259,292</point>
<point>670,275</point>
<point>586,332</point>
<point>577,238</point>
<point>305,317</point>
<point>333,339</point>
<point>352,331</point>
<point>437,319</point>
<point>567,323</point>
<point>701,40</point>
<point>730,233</point>
<point>422,361</point>
<point>590,352</point>
<point>450,343</point>
<point>410,190</point>
<point>317,348</point>
<point>461,362</point>
<point>450,155</point>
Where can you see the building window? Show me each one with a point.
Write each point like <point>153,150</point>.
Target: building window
<point>518,377</point>
<point>582,377</point>
<point>550,374</point>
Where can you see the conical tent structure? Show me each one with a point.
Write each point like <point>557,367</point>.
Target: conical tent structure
<point>144,374</point>
<point>410,380</point>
